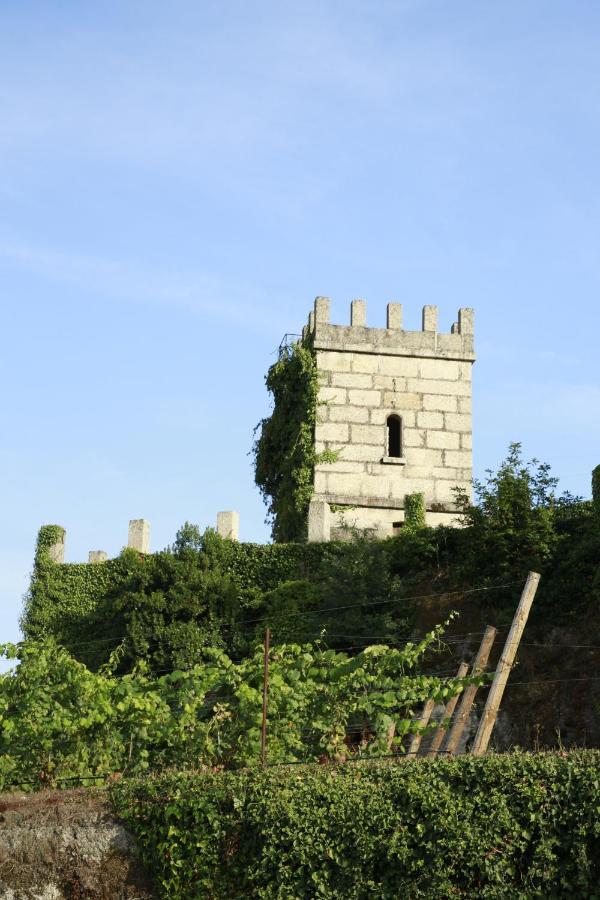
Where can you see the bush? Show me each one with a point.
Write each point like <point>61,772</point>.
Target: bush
<point>60,721</point>
<point>519,825</point>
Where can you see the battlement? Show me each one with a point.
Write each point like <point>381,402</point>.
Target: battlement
<point>138,537</point>
<point>392,340</point>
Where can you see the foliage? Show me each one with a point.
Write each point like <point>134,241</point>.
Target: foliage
<point>414,511</point>
<point>519,825</point>
<point>596,493</point>
<point>512,523</point>
<point>206,591</point>
<point>58,720</point>
<point>284,451</point>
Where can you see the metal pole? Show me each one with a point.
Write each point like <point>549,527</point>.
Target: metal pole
<point>468,696</point>
<point>263,736</point>
<point>448,710</point>
<point>488,719</point>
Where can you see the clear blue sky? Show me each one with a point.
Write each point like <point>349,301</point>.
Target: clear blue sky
<point>179,180</point>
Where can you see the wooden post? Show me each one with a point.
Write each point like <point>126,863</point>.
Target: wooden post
<point>448,710</point>
<point>488,719</point>
<point>263,736</point>
<point>423,722</point>
<point>468,696</point>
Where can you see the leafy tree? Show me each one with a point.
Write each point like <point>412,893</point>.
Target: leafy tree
<point>512,521</point>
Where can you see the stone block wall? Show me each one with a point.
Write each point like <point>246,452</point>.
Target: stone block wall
<point>367,374</point>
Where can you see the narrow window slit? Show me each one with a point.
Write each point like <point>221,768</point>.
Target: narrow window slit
<point>394,436</point>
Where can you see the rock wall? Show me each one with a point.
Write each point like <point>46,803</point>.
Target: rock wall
<point>66,844</point>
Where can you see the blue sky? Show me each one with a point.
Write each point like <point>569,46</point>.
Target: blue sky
<point>179,180</point>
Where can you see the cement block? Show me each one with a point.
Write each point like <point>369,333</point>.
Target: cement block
<point>358,313</point>
<point>440,402</point>
<point>319,521</point>
<point>228,525</point>
<point>364,362</point>
<point>333,431</point>
<point>322,310</point>
<point>352,380</point>
<point>348,414</point>
<point>364,398</point>
<point>139,535</point>
<point>97,556</point>
<point>430,318</point>
<point>443,440</point>
<point>466,320</point>
<point>441,369</point>
<point>365,452</point>
<point>457,422</point>
<point>460,459</point>
<point>335,395</point>
<point>414,437</point>
<point>423,457</point>
<point>394,316</point>
<point>429,386</point>
<point>396,383</point>
<point>401,400</point>
<point>333,361</point>
<point>368,434</point>
<point>401,366</point>
<point>430,419</point>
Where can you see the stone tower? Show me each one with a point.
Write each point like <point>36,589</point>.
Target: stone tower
<point>395,405</point>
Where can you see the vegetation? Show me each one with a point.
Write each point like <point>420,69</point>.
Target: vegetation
<point>284,451</point>
<point>519,825</point>
<point>414,511</point>
<point>59,721</point>
<point>202,592</point>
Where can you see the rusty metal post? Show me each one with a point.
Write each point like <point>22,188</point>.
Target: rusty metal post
<point>263,736</point>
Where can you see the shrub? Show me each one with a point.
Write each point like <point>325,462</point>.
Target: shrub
<point>520,825</point>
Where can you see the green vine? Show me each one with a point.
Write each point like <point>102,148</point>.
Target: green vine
<point>284,451</point>
<point>48,536</point>
<point>414,511</point>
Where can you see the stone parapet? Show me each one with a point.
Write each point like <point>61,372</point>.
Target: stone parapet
<point>429,343</point>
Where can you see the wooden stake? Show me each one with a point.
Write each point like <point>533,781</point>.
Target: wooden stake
<point>468,696</point>
<point>263,736</point>
<point>448,710</point>
<point>488,719</point>
<point>423,722</point>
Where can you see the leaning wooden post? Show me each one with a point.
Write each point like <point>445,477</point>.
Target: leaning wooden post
<point>448,710</point>
<point>422,722</point>
<point>468,695</point>
<point>488,719</point>
<point>263,736</point>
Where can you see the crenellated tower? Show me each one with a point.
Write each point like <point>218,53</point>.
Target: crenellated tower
<point>395,406</point>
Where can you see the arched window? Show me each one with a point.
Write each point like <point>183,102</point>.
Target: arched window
<point>394,436</point>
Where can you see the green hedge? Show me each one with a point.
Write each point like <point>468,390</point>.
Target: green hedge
<point>520,825</point>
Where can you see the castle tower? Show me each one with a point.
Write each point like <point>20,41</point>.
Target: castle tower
<point>395,406</point>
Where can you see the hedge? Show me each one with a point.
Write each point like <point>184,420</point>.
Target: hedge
<point>519,825</point>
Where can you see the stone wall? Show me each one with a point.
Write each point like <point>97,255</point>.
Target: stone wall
<point>367,374</point>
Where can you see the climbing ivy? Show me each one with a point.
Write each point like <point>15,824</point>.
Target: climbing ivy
<point>414,511</point>
<point>284,450</point>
